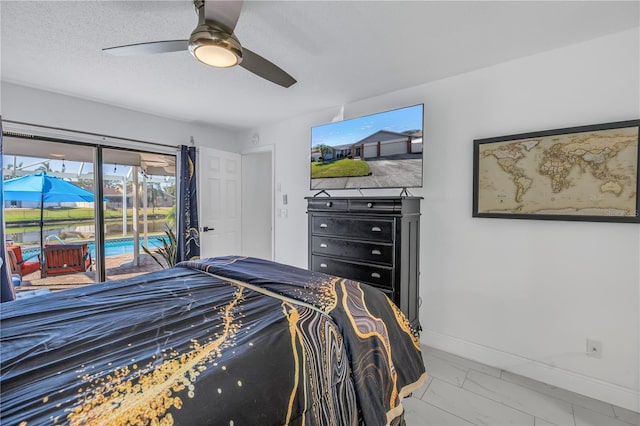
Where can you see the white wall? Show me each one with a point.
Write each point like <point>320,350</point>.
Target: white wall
<point>521,295</point>
<point>20,103</point>
<point>291,167</point>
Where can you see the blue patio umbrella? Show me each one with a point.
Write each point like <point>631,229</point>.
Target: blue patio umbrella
<point>44,188</point>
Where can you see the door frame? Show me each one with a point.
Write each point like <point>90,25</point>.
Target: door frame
<point>272,150</point>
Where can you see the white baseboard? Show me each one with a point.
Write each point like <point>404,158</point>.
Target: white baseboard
<point>584,385</point>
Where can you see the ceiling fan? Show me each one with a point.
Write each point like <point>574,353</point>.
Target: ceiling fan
<point>213,43</point>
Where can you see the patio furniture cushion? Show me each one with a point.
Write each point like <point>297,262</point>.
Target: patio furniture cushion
<point>13,263</point>
<point>62,259</point>
<point>24,267</point>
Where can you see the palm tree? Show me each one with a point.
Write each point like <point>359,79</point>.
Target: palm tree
<point>324,150</point>
<point>44,167</point>
<point>171,216</point>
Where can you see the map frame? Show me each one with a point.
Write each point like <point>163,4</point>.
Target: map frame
<point>480,174</point>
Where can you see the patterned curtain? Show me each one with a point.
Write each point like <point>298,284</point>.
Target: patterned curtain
<point>187,206</point>
<point>6,286</point>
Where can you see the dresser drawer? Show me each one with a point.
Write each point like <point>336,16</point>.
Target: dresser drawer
<point>362,229</point>
<point>377,206</point>
<point>378,275</point>
<point>328,205</point>
<point>367,252</point>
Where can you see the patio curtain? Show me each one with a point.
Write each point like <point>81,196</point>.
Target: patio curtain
<point>187,204</point>
<point>7,292</point>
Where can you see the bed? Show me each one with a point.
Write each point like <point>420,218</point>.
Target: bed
<point>224,341</point>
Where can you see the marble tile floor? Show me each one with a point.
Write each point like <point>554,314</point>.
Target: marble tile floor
<point>464,392</point>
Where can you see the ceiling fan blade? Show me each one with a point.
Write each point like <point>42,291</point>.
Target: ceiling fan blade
<point>268,70</point>
<point>224,13</point>
<point>148,48</point>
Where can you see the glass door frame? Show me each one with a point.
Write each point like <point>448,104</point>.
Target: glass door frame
<point>98,183</point>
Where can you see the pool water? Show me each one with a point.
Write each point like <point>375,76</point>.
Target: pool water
<point>113,247</point>
<point>125,245</point>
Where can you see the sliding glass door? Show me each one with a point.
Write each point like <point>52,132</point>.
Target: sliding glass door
<point>73,241</point>
<point>140,191</point>
<point>48,227</point>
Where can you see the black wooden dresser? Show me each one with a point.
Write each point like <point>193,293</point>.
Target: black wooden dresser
<point>375,240</point>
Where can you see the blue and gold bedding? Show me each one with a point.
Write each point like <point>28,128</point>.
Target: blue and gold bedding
<point>224,341</point>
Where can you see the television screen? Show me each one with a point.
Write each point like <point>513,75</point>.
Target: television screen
<point>382,150</point>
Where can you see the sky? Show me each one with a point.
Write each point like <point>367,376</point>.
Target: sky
<point>32,164</point>
<point>353,130</point>
<point>111,172</point>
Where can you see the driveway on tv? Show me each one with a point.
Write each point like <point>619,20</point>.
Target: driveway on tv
<point>394,171</point>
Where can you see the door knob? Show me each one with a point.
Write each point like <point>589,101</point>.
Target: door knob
<point>207,229</point>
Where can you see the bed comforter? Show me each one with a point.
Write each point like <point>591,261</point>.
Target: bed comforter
<point>224,341</point>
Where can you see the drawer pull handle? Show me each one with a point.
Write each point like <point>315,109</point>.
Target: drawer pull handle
<point>375,229</point>
<point>323,265</point>
<point>375,275</point>
<point>369,205</point>
<point>323,225</point>
<point>323,245</point>
<point>376,252</point>
<point>329,203</point>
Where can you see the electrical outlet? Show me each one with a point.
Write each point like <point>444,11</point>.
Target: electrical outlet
<point>594,348</point>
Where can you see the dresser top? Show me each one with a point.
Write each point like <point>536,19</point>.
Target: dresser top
<point>373,205</point>
<point>365,197</point>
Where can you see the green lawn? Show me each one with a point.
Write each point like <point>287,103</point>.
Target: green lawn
<point>340,168</point>
<point>22,215</point>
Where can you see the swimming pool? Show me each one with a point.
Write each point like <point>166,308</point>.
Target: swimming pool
<point>113,247</point>
<point>125,245</point>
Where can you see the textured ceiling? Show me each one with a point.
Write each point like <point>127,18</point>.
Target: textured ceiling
<point>339,52</point>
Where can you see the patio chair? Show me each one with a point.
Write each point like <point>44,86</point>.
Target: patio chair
<point>60,259</point>
<point>16,276</point>
<point>20,266</point>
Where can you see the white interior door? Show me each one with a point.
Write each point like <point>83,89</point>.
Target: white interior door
<point>220,203</point>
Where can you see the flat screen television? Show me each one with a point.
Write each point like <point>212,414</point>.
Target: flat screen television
<point>382,150</point>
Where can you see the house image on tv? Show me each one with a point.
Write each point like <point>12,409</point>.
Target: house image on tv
<point>382,143</point>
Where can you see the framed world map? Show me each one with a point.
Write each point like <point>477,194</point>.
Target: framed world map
<point>587,173</point>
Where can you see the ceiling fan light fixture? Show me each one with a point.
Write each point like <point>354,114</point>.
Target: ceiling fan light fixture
<point>215,48</point>
<point>216,56</point>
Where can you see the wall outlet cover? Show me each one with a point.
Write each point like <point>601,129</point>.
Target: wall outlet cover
<point>594,348</point>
